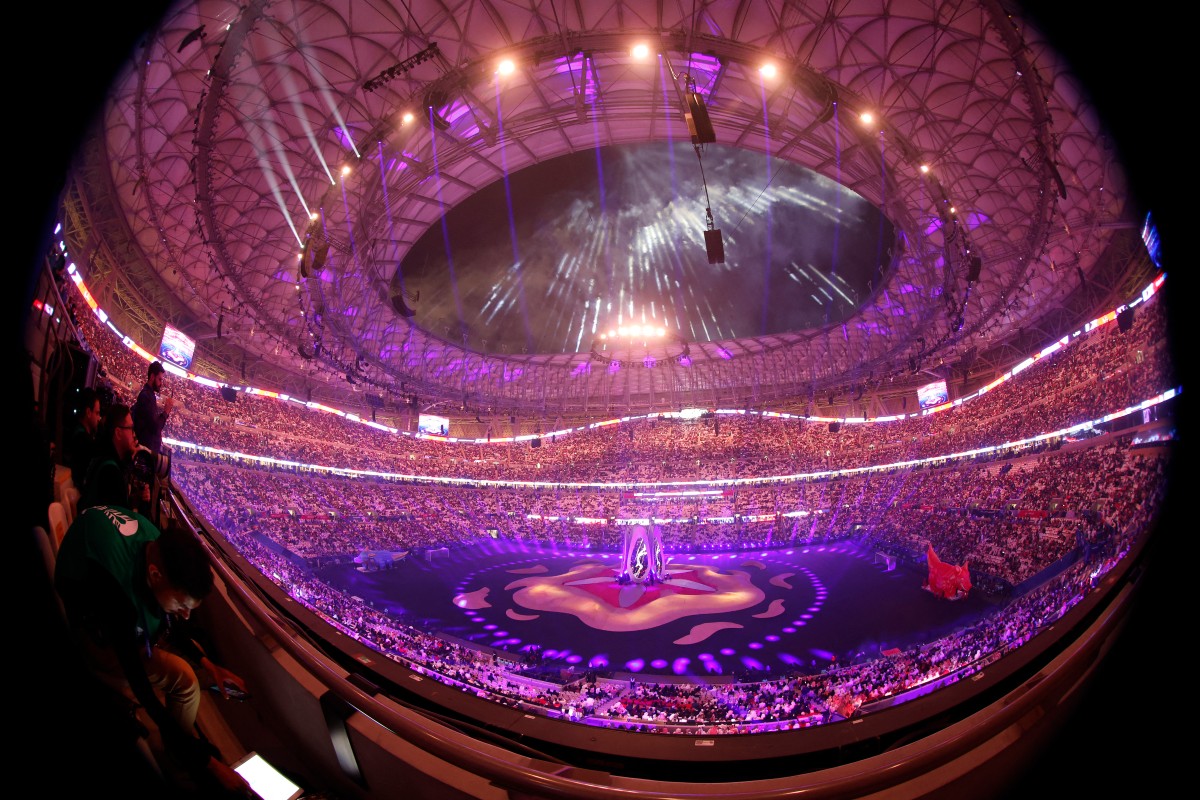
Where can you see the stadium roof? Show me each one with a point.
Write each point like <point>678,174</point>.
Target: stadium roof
<point>212,195</point>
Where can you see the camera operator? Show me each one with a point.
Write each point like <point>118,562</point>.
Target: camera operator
<point>113,478</point>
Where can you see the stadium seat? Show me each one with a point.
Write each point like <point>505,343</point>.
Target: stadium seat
<point>58,524</point>
<point>62,479</point>
<point>71,502</point>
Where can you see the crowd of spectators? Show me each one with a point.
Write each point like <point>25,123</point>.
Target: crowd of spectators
<point>798,699</point>
<point>1103,371</point>
<point>1082,508</point>
<point>1009,519</point>
<point>1070,510</point>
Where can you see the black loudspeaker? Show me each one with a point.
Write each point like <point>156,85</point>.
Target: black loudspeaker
<point>1125,320</point>
<point>834,427</point>
<point>535,442</point>
<point>77,370</point>
<point>317,252</point>
<point>974,267</point>
<point>699,125</point>
<point>228,394</point>
<point>83,368</point>
<point>401,307</point>
<point>715,246</point>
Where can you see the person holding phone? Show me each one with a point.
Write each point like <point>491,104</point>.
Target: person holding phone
<point>128,590</point>
<point>149,418</point>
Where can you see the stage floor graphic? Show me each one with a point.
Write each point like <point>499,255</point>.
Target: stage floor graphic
<point>716,614</point>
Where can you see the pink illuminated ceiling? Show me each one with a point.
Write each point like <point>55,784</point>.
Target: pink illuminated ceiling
<point>225,140</point>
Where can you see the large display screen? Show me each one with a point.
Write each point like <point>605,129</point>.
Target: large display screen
<point>932,394</point>
<point>176,348</point>
<point>1151,240</point>
<point>433,425</point>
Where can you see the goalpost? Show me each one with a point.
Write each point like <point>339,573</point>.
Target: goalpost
<point>889,562</point>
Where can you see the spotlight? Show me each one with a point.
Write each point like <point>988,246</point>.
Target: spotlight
<point>640,51</point>
<point>767,70</point>
<point>506,67</point>
<point>867,118</point>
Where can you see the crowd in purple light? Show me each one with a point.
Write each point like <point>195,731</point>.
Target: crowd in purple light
<point>1010,519</point>
<point>1104,495</point>
<point>1104,371</point>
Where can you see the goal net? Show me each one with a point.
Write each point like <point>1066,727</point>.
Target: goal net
<point>888,562</point>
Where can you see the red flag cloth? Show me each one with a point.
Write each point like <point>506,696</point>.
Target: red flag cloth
<point>947,580</point>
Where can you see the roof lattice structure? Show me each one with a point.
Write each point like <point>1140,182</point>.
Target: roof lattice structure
<point>218,159</point>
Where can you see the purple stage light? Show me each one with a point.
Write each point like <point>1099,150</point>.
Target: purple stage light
<point>500,633</point>
<point>751,663</point>
<point>705,656</point>
<point>789,630</point>
<point>727,651</point>
<point>574,659</point>
<point>755,645</point>
<point>772,638</point>
<point>598,661</point>
<point>489,627</point>
<point>659,663</point>
<point>679,666</point>
<point>635,665</point>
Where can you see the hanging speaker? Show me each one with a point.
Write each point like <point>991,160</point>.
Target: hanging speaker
<point>1125,320</point>
<point>317,252</point>
<point>834,427</point>
<point>229,394</point>
<point>699,125</point>
<point>535,442</point>
<point>401,307</point>
<point>714,246</point>
<point>974,267</point>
